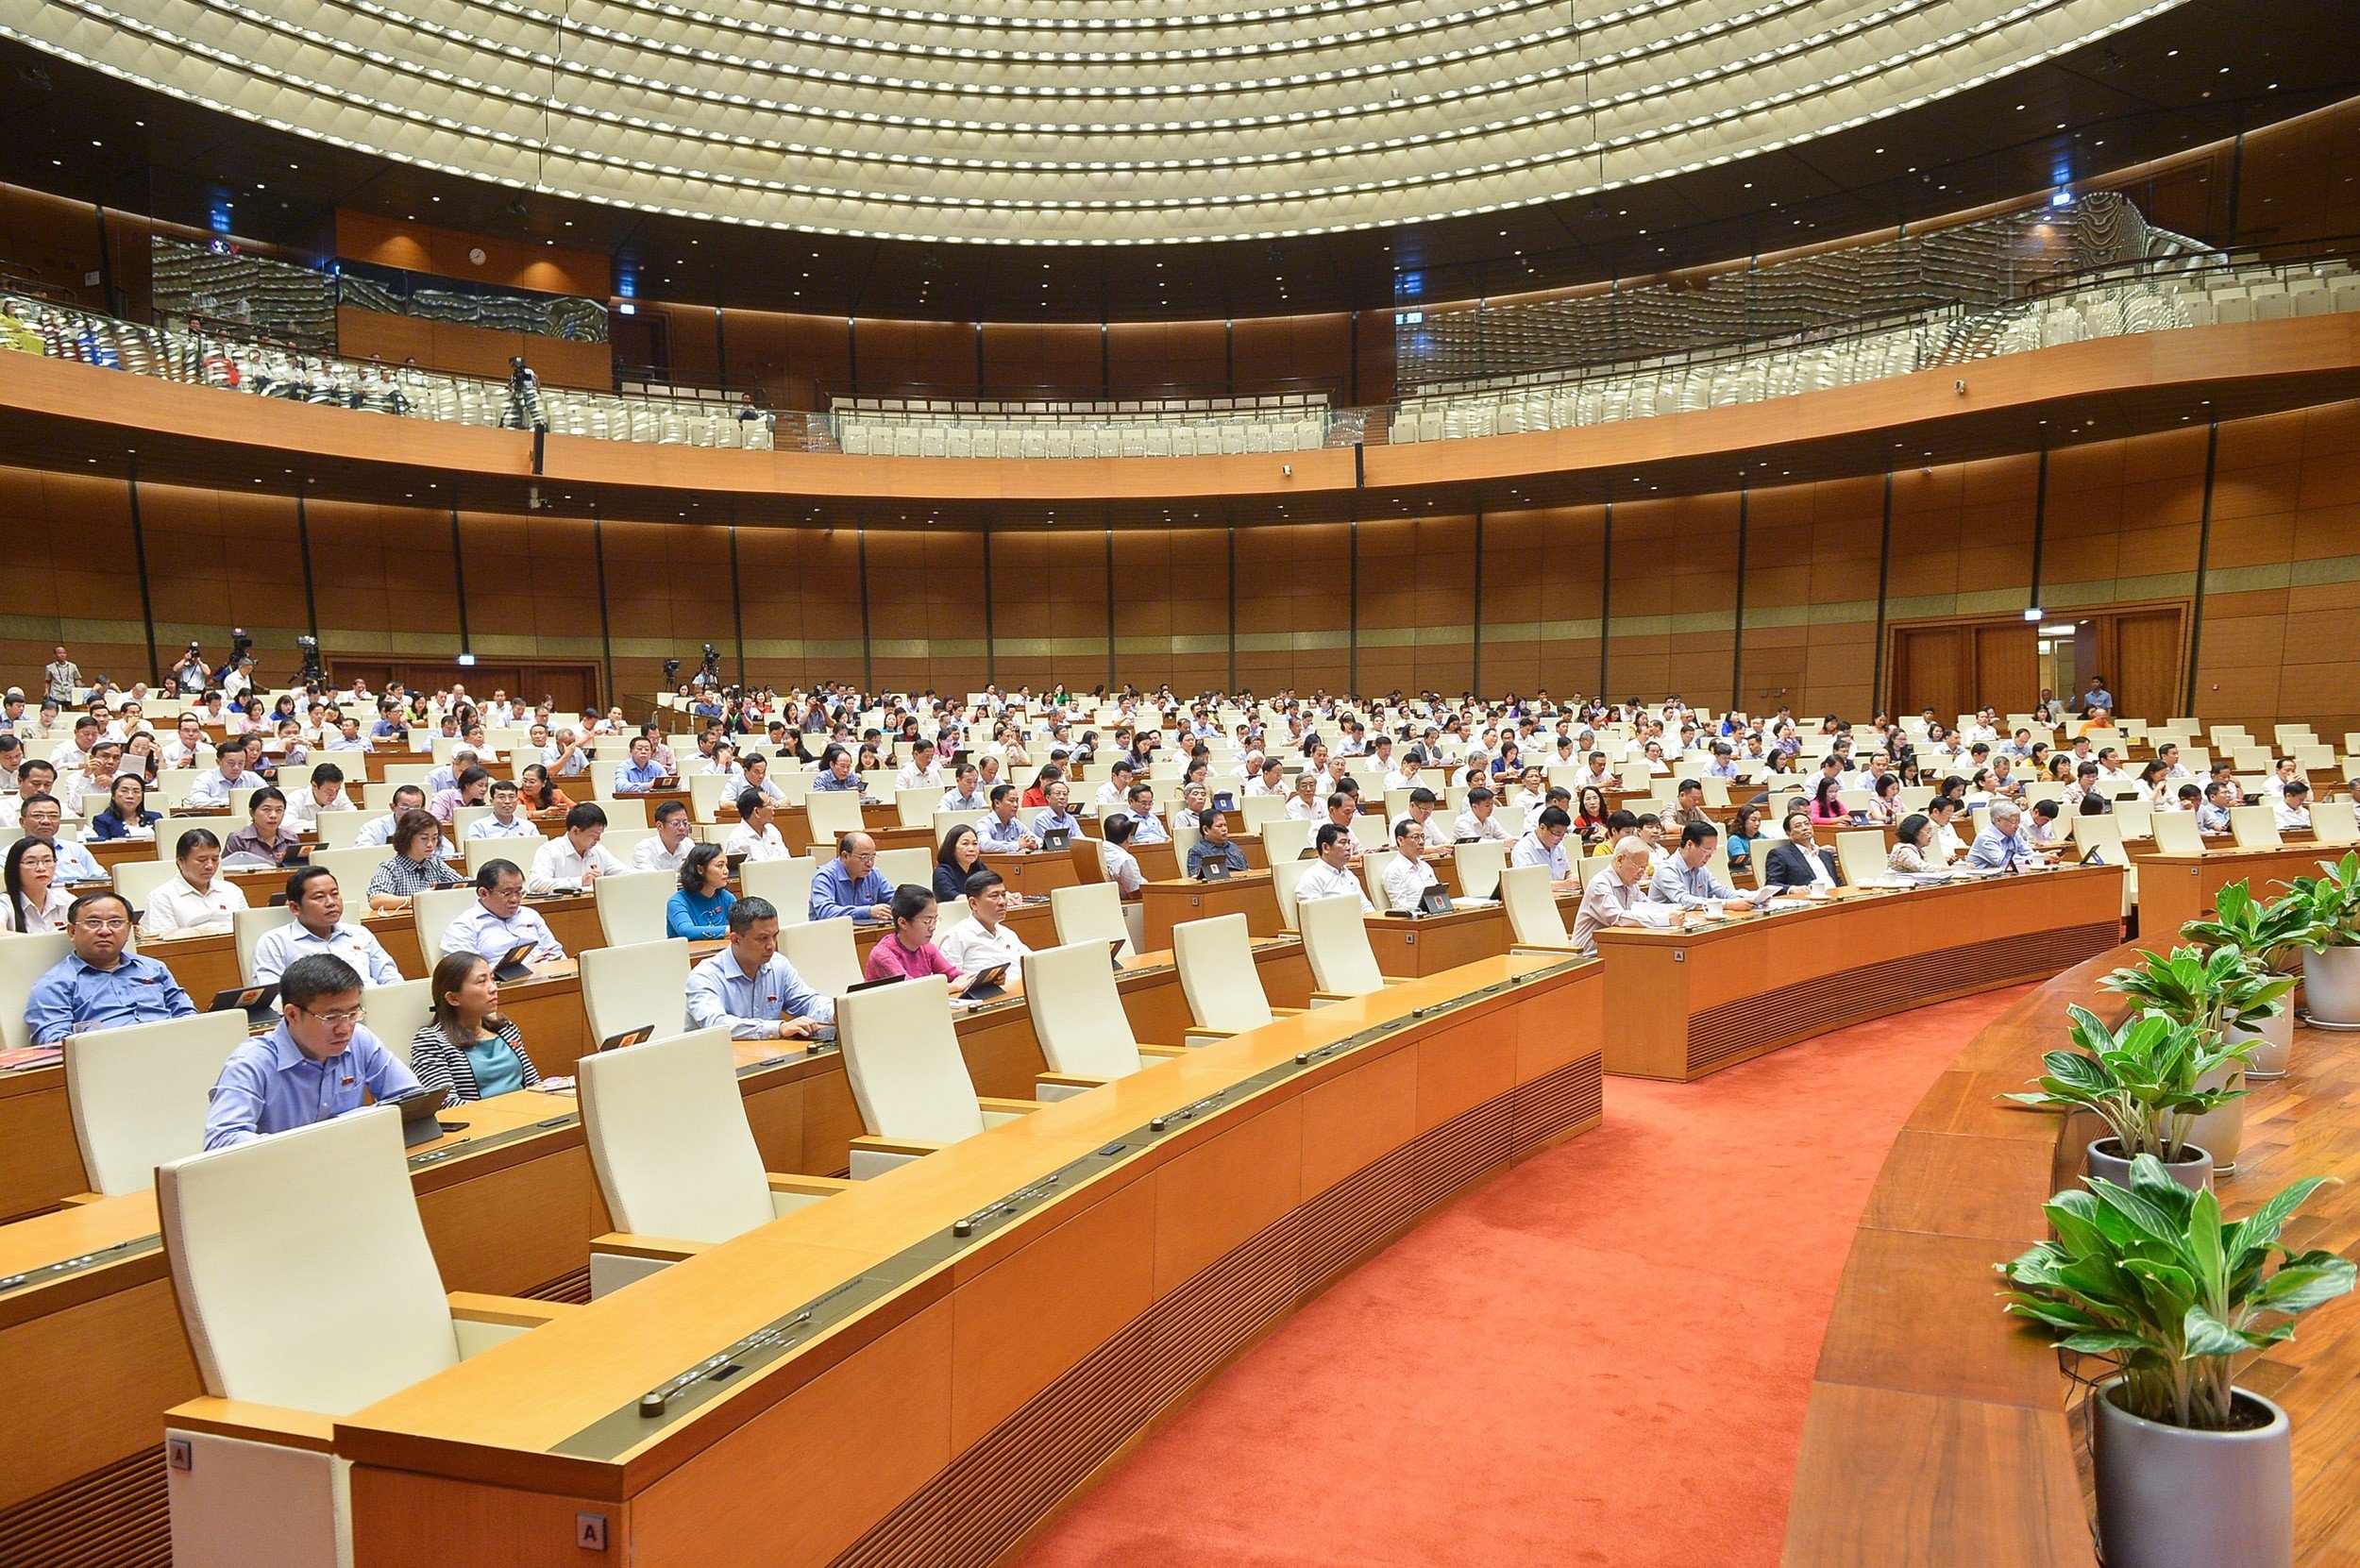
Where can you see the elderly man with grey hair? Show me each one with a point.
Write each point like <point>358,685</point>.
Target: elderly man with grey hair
<point>1614,895</point>
<point>2005,845</point>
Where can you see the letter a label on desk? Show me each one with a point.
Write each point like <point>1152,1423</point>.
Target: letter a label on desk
<point>590,1531</point>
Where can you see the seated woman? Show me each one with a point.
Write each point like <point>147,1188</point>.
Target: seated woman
<point>415,865</point>
<point>1589,821</point>
<point>960,856</point>
<point>1913,850</point>
<point>910,953</point>
<point>1745,829</point>
<point>1825,807</point>
<point>35,902</point>
<point>126,815</point>
<point>264,836</point>
<point>198,901</point>
<point>469,1051</point>
<point>543,799</point>
<point>1884,807</point>
<point>700,907</point>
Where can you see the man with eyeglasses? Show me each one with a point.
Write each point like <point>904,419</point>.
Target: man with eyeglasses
<point>317,1063</point>
<point>98,985</point>
<point>42,818</point>
<point>851,884</point>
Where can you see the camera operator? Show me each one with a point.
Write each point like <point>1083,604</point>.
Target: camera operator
<point>191,673</point>
<point>524,398</point>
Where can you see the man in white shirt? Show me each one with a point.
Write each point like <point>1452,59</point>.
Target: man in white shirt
<point>1614,897</point>
<point>574,858</point>
<point>1123,868</point>
<point>1544,844</point>
<point>506,820</point>
<point>1303,804</point>
<point>379,833</point>
<point>1270,779</point>
<point>86,787</point>
<point>675,836</point>
<point>1331,876</point>
<point>499,921</point>
<point>213,786</point>
<point>187,746</point>
<point>756,837</point>
<point>985,937</point>
<point>921,771</point>
<point>319,926</point>
<point>2294,806</point>
<point>324,793</point>
<point>968,794</point>
<point>1408,876</point>
<point>1481,819</point>
<point>1147,828</point>
<point>2272,787</point>
<point>1115,792</point>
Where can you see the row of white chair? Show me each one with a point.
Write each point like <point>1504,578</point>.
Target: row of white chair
<point>1140,438</point>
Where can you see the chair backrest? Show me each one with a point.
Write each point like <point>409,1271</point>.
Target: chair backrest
<point>916,807</point>
<point>338,829</point>
<point>632,813</point>
<point>1077,1013</point>
<point>910,868</point>
<point>2135,817</point>
<point>1372,865</point>
<point>901,1055</point>
<point>431,910</point>
<point>290,1301</point>
<point>246,927</point>
<point>2256,827</point>
<point>642,985</point>
<point>1218,974</point>
<point>1343,961</point>
<point>1260,811</point>
<point>2176,832</point>
<point>708,790</point>
<point>1479,868</point>
<point>1285,839</point>
<point>169,829</point>
<point>669,1141</point>
<point>465,817</point>
<point>2333,822</point>
<point>833,813</point>
<point>353,867</point>
<point>138,1094</point>
<point>786,882</point>
<point>1861,856</point>
<point>398,1011</point>
<point>23,960</point>
<point>631,908</point>
<point>138,879</point>
<point>824,953</point>
<point>1532,913</point>
<point>2102,833</point>
<point>1284,875</point>
<point>1089,911</point>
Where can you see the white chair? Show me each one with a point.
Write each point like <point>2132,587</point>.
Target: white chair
<point>641,986</point>
<point>910,868</point>
<point>1091,912</point>
<point>2333,822</point>
<point>137,880</point>
<point>1372,865</point>
<point>832,813</point>
<point>431,910</point>
<point>138,1094</point>
<point>1284,875</point>
<point>908,1077</point>
<point>1861,856</point>
<point>1084,1035</point>
<point>246,927</point>
<point>398,1011</point>
<point>1479,866</point>
<point>1220,978</point>
<point>1343,963</point>
<point>824,953</point>
<point>2176,832</point>
<point>169,829</point>
<point>338,830</point>
<point>1534,919</point>
<point>23,960</point>
<point>298,1310</point>
<point>2256,827</point>
<point>1285,839</point>
<point>916,807</point>
<point>675,1155</point>
<point>631,909</point>
<point>785,883</point>
<point>708,790</point>
<point>352,868</point>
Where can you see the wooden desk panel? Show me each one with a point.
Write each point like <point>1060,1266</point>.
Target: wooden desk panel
<point>1034,875</point>
<point>1686,1003</point>
<point>1170,904</point>
<point>1433,943</point>
<point>2177,888</point>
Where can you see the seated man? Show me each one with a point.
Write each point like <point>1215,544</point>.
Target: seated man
<point>2213,814</point>
<point>2042,825</point>
<point>506,818</point>
<point>1215,845</point>
<point>851,884</point>
<point>317,1064</point>
<point>2294,806</point>
<point>1122,867</point>
<point>1408,876</point>
<point>1800,862</point>
<point>2004,845</point>
<point>574,858</point>
<point>1544,844</point>
<point>379,833</point>
<point>1056,814</point>
<point>967,793</point>
<point>1686,881</point>
<point>499,920</point>
<point>1331,876</point>
<point>756,835</point>
<point>42,818</point>
<point>98,985</point>
<point>1147,828</point>
<point>985,937</point>
<point>1616,896</point>
<point>319,926</point>
<point>675,836</point>
<point>751,991</point>
<point>1481,819</point>
<point>642,772</point>
<point>213,786</point>
<point>324,793</point>
<point>921,771</point>
<point>1001,830</point>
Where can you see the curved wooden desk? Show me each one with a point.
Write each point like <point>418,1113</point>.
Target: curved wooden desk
<point>1939,1433</point>
<point>1686,1003</point>
<point>2177,888</point>
<point>947,1390</point>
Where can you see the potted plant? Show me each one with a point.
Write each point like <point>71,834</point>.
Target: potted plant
<point>2208,992</point>
<point>2193,1472</point>
<point>2272,935</point>
<point>2142,1084</point>
<point>2330,974</point>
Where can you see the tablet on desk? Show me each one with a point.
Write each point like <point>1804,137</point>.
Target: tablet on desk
<point>1213,871</point>
<point>640,1036</point>
<point>1055,840</point>
<point>872,985</point>
<point>419,1122</point>
<point>987,986</point>
<point>253,1001</point>
<point>512,964</point>
<point>1434,902</point>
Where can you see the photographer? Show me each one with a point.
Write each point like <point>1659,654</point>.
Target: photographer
<point>191,673</point>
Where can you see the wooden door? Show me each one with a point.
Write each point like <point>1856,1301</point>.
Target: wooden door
<point>2147,673</point>
<point>2007,667</point>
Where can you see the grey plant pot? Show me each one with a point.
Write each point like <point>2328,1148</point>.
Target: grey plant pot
<point>2277,1035</point>
<point>2221,1130</point>
<point>2193,1171</point>
<point>2331,986</point>
<point>2168,1498</point>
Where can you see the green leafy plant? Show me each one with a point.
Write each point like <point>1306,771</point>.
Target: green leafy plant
<point>2269,933</point>
<point>2204,990</point>
<point>2142,1082</point>
<point>2151,1276</point>
<point>2333,901</point>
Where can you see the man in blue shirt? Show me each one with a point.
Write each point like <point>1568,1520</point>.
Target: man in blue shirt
<point>1686,881</point>
<point>42,818</point>
<point>2004,846</point>
<point>851,884</point>
<point>641,773</point>
<point>1215,844</point>
<point>751,991</point>
<point>314,1066</point>
<point>1001,830</point>
<point>98,985</point>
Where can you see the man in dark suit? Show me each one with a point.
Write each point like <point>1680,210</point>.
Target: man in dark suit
<point>1800,863</point>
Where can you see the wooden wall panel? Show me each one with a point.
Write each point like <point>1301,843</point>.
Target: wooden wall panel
<point>1308,352</point>
<point>932,359</point>
<point>1963,538</point>
<point>1168,357</point>
<point>1673,609</point>
<point>1417,605</point>
<point>926,608</point>
<point>2123,519</point>
<point>1172,608</point>
<point>667,593</point>
<point>800,589</point>
<point>1543,585</point>
<point>1294,607</point>
<point>1038,360</point>
<point>218,559</point>
<point>1049,621</point>
<point>74,577</point>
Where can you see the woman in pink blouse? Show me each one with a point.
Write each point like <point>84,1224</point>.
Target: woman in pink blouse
<point>1825,807</point>
<point>910,951</point>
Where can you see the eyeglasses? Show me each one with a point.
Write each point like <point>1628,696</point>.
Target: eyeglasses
<point>334,1018</point>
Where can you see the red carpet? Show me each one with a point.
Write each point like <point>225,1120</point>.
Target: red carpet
<point>1600,1358</point>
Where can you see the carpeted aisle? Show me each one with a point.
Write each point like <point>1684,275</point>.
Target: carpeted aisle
<point>1601,1357</point>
